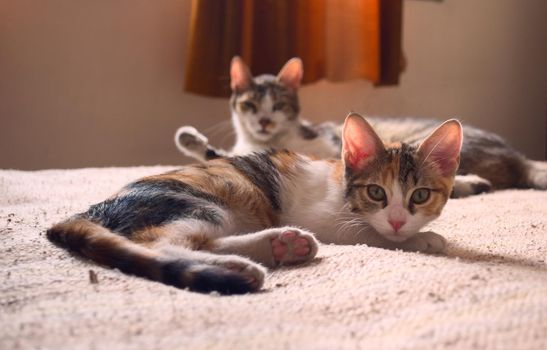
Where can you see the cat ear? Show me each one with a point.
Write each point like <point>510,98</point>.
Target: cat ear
<point>443,146</point>
<point>360,144</point>
<point>240,75</point>
<point>291,74</point>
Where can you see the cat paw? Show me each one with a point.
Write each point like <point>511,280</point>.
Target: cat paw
<point>292,246</point>
<point>190,141</point>
<point>468,185</point>
<point>254,273</point>
<point>426,242</point>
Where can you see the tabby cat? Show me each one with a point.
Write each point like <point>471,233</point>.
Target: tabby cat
<point>265,115</point>
<point>213,226</point>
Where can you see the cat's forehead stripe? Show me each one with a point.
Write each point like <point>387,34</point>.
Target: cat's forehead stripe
<point>258,91</point>
<point>401,164</point>
<point>407,164</point>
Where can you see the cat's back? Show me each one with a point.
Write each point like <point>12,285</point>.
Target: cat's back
<point>409,130</point>
<point>248,186</point>
<point>413,130</point>
<point>483,153</point>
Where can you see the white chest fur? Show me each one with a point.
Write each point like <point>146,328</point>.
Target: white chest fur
<point>288,138</point>
<point>312,200</point>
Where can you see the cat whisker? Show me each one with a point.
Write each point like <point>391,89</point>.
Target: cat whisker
<point>219,125</point>
<point>433,163</point>
<point>356,231</point>
<point>352,226</point>
<point>226,136</point>
<point>217,129</point>
<point>433,149</point>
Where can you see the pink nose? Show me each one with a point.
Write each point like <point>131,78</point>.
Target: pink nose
<point>264,122</point>
<point>396,224</point>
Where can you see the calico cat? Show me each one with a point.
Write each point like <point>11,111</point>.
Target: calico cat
<point>213,226</point>
<point>265,115</point>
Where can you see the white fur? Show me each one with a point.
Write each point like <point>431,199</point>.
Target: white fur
<point>284,136</point>
<point>312,200</point>
<point>282,133</point>
<point>186,225</point>
<point>191,142</point>
<point>464,185</point>
<point>397,210</point>
<point>393,211</point>
<point>315,201</point>
<point>537,174</point>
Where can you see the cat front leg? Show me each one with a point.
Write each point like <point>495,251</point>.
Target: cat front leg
<point>426,242</point>
<point>271,247</point>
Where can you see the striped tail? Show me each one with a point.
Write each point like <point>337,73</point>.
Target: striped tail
<point>97,243</point>
<point>537,174</point>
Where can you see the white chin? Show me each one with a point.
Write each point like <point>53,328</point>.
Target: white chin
<point>262,136</point>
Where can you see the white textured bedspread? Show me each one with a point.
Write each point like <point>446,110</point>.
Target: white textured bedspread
<point>488,291</point>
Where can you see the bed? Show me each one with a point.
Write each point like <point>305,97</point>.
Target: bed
<point>487,291</point>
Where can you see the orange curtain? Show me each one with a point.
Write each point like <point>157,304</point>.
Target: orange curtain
<point>336,39</point>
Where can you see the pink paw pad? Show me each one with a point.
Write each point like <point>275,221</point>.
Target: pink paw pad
<point>290,247</point>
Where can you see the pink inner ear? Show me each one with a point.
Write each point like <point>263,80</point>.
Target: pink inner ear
<point>239,76</point>
<point>291,74</point>
<point>360,142</point>
<point>355,160</point>
<point>443,148</point>
<point>446,159</point>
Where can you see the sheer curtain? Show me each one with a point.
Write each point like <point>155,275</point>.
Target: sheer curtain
<point>336,39</point>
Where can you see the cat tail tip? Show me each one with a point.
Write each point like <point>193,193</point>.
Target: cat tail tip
<point>537,174</point>
<point>204,278</point>
<point>60,235</point>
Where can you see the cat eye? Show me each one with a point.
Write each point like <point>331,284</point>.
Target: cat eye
<point>279,106</point>
<point>247,106</point>
<point>376,193</point>
<point>420,196</point>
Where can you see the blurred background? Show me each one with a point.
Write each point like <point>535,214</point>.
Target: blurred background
<point>100,83</point>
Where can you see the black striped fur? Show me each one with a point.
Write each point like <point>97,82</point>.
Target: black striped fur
<point>109,232</point>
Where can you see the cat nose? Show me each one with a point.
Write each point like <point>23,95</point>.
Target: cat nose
<point>396,224</point>
<point>264,122</point>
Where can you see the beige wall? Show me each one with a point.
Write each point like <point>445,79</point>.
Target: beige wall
<point>98,83</point>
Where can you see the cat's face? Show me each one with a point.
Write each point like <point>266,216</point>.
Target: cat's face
<point>265,106</point>
<point>399,189</point>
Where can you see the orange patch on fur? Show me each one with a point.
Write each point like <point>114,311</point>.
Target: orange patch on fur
<point>435,205</point>
<point>392,144</point>
<point>150,235</point>
<point>199,242</point>
<point>337,174</point>
<point>102,246</point>
<point>286,162</point>
<point>220,179</point>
